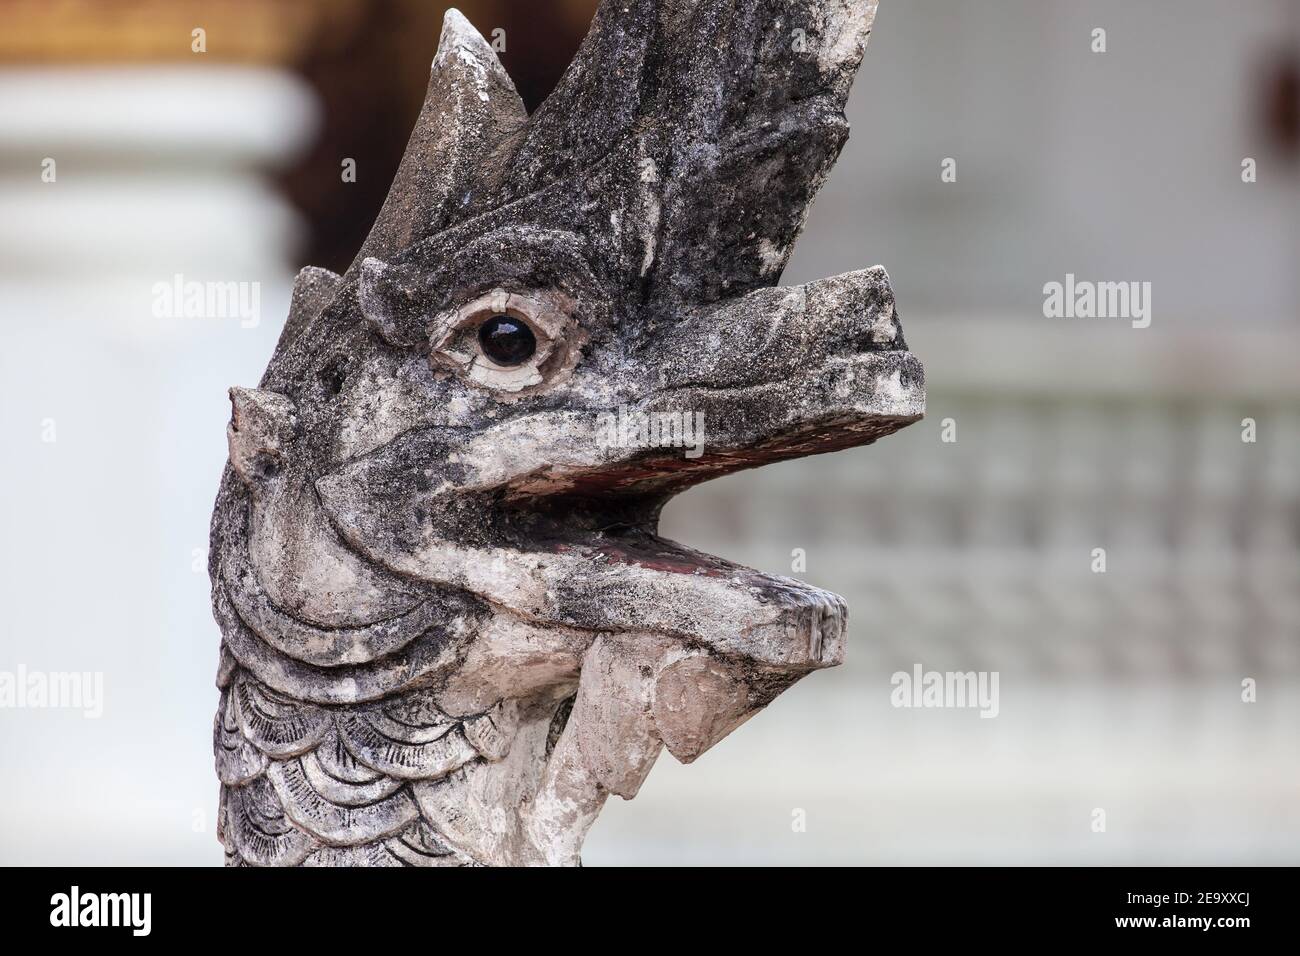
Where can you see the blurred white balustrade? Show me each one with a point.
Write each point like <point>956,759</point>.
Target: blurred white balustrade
<point>1120,691</point>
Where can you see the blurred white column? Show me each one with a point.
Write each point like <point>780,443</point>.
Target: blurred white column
<point>112,182</point>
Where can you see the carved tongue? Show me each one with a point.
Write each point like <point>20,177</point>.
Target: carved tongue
<point>660,554</point>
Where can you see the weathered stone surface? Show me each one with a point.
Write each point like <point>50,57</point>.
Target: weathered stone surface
<point>450,629</point>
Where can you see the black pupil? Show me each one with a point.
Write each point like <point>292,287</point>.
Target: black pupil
<point>506,340</point>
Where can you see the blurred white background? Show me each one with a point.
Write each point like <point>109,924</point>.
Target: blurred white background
<point>1120,691</point>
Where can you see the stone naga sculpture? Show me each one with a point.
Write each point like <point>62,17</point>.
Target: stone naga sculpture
<point>450,630</point>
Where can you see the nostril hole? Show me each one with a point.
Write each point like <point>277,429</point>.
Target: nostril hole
<point>876,330</point>
<point>266,466</point>
<point>865,341</point>
<point>333,375</point>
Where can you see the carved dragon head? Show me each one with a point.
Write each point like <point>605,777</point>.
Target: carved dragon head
<point>450,476</point>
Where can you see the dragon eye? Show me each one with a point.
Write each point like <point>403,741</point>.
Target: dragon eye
<point>514,343</point>
<point>506,340</point>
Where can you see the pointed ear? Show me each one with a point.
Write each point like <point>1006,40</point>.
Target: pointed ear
<point>471,105</point>
<point>313,290</point>
<point>262,424</point>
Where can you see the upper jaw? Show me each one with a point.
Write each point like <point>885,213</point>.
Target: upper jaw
<point>844,403</point>
<point>778,373</point>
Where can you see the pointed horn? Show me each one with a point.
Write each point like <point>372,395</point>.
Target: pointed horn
<point>597,101</point>
<point>471,105</point>
<point>750,158</point>
<point>741,106</point>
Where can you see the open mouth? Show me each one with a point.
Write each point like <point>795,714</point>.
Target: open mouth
<point>844,403</point>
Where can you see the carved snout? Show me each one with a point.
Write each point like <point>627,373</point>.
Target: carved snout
<point>774,333</point>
